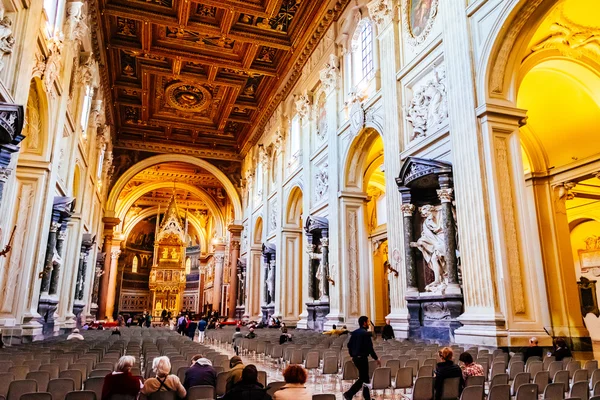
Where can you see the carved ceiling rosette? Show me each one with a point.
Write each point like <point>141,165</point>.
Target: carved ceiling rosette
<point>187,97</point>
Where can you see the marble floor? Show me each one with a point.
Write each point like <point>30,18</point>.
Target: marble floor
<point>317,384</point>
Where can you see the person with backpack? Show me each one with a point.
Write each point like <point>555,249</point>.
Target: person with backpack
<point>163,380</point>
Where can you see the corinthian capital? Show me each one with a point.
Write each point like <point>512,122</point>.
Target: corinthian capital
<point>381,11</point>
<point>407,209</point>
<point>445,195</point>
<point>115,254</point>
<point>303,104</point>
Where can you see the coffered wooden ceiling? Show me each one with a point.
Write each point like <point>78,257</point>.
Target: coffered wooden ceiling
<point>197,77</point>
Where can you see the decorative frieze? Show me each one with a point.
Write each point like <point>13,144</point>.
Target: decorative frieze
<point>322,183</point>
<point>381,11</point>
<point>303,105</point>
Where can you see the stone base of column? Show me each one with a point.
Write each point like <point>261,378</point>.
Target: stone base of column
<point>321,312</point>
<point>239,313</point>
<point>434,316</point>
<point>31,329</point>
<point>267,312</point>
<point>482,329</point>
<point>401,324</point>
<point>303,322</point>
<point>91,317</point>
<point>47,307</point>
<point>77,310</point>
<point>338,319</point>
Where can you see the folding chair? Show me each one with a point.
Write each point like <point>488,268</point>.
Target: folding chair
<point>61,386</point>
<point>473,392</point>
<point>423,388</point>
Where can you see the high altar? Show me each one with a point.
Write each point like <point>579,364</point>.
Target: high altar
<point>167,277</point>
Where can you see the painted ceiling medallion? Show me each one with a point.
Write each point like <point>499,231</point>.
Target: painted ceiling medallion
<point>187,97</point>
<point>418,16</point>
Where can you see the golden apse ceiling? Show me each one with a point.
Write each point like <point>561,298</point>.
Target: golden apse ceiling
<point>203,78</point>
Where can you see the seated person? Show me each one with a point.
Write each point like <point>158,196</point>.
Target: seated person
<point>445,370</point>
<point>75,335</point>
<point>121,381</point>
<point>163,382</point>
<point>248,387</point>
<point>533,350</point>
<point>334,331</point>
<point>470,368</point>
<point>561,350</point>
<point>235,373</point>
<point>201,372</point>
<point>251,334</point>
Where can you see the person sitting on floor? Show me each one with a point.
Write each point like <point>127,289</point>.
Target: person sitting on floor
<point>163,380</point>
<point>121,381</point>
<point>561,350</point>
<point>248,388</point>
<point>116,331</point>
<point>294,388</point>
<point>251,334</point>
<point>334,331</point>
<point>388,332</point>
<point>285,336</point>
<point>446,370</point>
<point>200,373</point>
<point>469,368</point>
<point>235,372</point>
<point>75,335</point>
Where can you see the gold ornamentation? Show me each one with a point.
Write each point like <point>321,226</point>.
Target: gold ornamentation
<point>187,97</point>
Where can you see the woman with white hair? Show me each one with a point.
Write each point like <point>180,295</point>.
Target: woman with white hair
<point>163,380</point>
<point>121,381</point>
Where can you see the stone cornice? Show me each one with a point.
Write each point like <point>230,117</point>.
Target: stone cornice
<point>166,148</point>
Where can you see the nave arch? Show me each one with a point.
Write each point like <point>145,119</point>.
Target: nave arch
<point>124,205</point>
<point>366,253</point>
<point>165,158</point>
<point>296,294</point>
<point>540,104</point>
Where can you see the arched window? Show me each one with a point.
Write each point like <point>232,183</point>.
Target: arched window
<point>134,264</point>
<point>85,110</point>
<point>188,266</point>
<point>362,58</point>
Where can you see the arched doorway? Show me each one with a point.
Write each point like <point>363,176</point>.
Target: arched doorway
<point>364,218</point>
<point>292,240</point>
<point>550,174</point>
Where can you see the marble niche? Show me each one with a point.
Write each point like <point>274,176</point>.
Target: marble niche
<point>317,237</point>
<point>270,266</point>
<point>434,288</point>
<point>240,305</point>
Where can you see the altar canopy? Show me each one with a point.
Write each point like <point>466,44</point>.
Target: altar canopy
<point>167,276</point>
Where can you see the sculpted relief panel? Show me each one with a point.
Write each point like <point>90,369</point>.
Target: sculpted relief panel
<point>428,109</point>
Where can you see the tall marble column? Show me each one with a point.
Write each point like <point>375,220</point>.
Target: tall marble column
<point>86,244</point>
<point>482,320</point>
<point>113,271</point>
<point>310,251</point>
<point>234,254</point>
<point>218,277</point>
<point>60,240</point>
<point>409,252</point>
<point>325,266</point>
<point>104,275</point>
<point>50,251</point>
<point>449,227</point>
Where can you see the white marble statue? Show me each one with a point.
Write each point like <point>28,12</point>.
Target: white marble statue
<point>320,275</point>
<point>432,245</point>
<point>271,283</point>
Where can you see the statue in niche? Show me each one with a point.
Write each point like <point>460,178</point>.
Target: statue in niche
<point>271,283</point>
<point>174,254</point>
<point>152,276</point>
<point>432,245</point>
<point>320,275</point>
<point>165,253</point>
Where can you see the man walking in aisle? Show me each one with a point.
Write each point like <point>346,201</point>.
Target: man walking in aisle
<point>360,348</point>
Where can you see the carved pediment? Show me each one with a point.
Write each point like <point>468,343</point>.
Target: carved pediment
<point>315,224</point>
<point>420,172</point>
<point>269,249</point>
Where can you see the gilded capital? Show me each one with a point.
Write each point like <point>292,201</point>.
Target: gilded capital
<point>407,209</point>
<point>445,195</point>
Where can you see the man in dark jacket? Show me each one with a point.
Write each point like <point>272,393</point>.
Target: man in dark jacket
<point>533,350</point>
<point>388,332</point>
<point>360,348</point>
<point>200,373</point>
<point>249,388</point>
